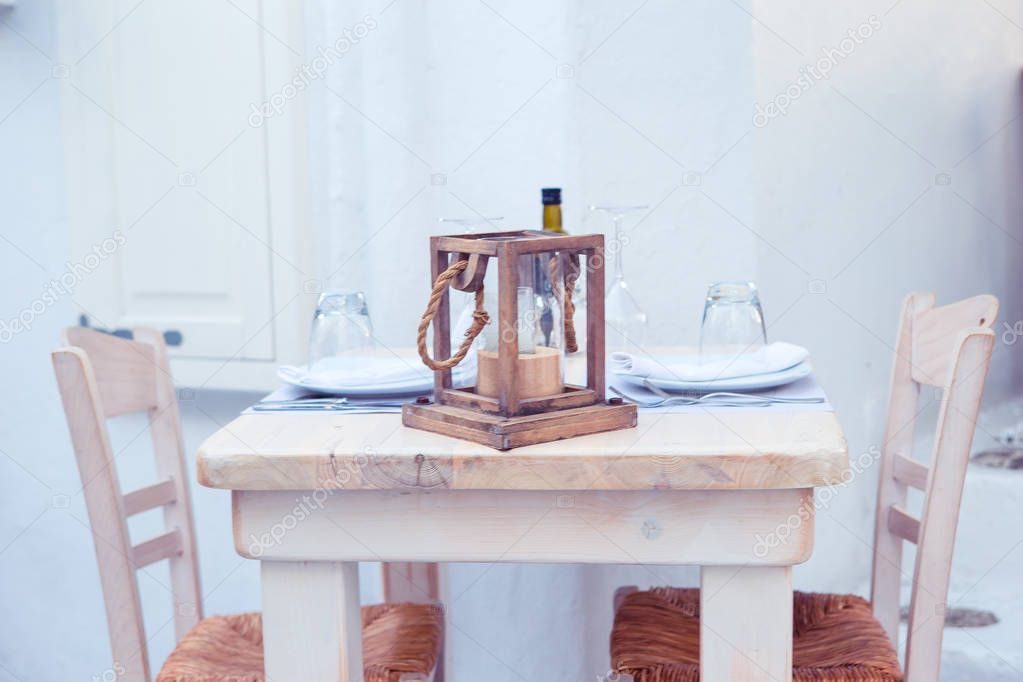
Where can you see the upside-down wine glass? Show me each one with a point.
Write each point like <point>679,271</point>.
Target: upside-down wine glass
<point>624,318</point>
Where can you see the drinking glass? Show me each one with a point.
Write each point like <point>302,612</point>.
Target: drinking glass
<point>626,322</point>
<point>341,327</point>
<point>733,321</point>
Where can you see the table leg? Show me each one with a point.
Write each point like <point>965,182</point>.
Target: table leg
<point>746,623</point>
<point>312,629</point>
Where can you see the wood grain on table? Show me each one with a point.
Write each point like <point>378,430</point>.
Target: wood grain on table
<point>716,449</point>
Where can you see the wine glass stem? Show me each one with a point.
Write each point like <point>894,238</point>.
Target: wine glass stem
<point>620,247</point>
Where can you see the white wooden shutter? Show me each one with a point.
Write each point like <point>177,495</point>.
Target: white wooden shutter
<point>157,101</point>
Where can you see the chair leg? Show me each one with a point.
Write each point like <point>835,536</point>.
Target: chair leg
<point>438,670</point>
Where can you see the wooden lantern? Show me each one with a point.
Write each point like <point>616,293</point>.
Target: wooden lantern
<point>520,397</point>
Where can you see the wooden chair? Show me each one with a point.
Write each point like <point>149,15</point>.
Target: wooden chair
<point>102,376</point>
<point>655,637</point>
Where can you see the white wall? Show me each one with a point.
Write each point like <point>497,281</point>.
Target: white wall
<point>48,583</point>
<point>899,172</point>
<point>851,197</point>
<point>654,104</point>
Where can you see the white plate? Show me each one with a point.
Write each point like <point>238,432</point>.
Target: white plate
<point>297,376</point>
<point>754,382</point>
<point>289,376</point>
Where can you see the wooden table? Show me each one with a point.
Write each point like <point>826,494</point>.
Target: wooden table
<point>728,490</point>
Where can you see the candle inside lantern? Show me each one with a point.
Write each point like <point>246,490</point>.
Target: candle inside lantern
<point>538,325</point>
<point>538,373</point>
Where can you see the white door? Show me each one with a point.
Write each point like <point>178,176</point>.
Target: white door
<point>168,166</point>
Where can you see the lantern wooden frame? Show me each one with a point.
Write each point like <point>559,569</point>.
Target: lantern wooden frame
<point>508,420</point>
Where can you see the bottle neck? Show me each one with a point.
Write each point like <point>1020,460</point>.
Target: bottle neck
<point>552,218</point>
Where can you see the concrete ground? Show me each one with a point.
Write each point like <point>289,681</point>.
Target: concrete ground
<point>987,573</point>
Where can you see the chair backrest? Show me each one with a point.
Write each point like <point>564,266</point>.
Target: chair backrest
<point>947,347</point>
<point>102,376</point>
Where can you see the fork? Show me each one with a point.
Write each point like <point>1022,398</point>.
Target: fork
<point>720,399</point>
<point>326,405</point>
<point>744,397</point>
<point>347,409</point>
<point>682,400</point>
<point>349,402</point>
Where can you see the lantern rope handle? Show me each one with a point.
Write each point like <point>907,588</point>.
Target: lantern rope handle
<point>572,272</point>
<point>480,319</point>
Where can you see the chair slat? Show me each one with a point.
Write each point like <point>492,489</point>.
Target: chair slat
<point>161,547</point>
<point>904,524</point>
<point>150,497</point>
<point>936,336</point>
<point>125,371</point>
<point>910,472</point>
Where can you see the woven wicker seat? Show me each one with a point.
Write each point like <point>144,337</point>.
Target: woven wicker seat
<point>656,638</point>
<point>397,639</point>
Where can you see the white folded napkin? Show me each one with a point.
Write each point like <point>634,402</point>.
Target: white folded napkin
<point>774,357</point>
<point>388,374</point>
